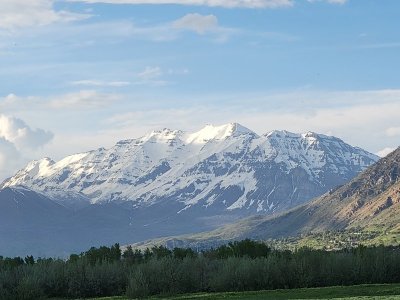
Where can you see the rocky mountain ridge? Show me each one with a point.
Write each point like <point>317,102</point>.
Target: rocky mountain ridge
<point>227,166</point>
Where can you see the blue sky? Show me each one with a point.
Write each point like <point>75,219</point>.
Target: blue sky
<point>80,74</point>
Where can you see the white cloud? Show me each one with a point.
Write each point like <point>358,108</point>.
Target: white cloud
<point>197,23</point>
<point>17,132</point>
<point>212,3</point>
<point>393,131</point>
<point>337,1</point>
<point>150,73</point>
<point>203,24</point>
<point>151,76</point>
<point>16,14</point>
<point>99,83</point>
<point>380,46</point>
<point>156,76</point>
<point>18,141</point>
<point>87,34</point>
<point>9,158</point>
<point>206,25</point>
<point>82,100</point>
<point>341,2</point>
<point>384,152</point>
<point>178,71</point>
<point>9,100</point>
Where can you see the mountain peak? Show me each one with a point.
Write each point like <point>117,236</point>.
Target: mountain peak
<point>211,132</point>
<point>377,178</point>
<point>38,166</point>
<point>164,133</point>
<point>281,134</point>
<point>310,134</point>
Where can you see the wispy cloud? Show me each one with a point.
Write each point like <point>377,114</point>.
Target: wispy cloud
<point>156,76</point>
<point>341,2</point>
<point>99,83</point>
<point>252,4</point>
<point>87,99</point>
<point>75,36</point>
<point>15,14</point>
<point>178,71</point>
<point>150,73</point>
<point>380,45</point>
<point>81,100</point>
<point>337,1</point>
<point>193,22</point>
<point>202,25</point>
<point>212,3</point>
<point>197,23</point>
<point>393,131</point>
<point>150,76</point>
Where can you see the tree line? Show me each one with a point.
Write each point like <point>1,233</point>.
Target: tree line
<point>237,266</point>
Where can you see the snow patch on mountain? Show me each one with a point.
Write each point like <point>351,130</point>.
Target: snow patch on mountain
<point>211,132</point>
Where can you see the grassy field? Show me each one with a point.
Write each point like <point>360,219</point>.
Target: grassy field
<point>384,292</point>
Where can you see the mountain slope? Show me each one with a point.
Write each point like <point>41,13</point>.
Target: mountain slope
<point>21,206</point>
<point>26,219</point>
<point>371,201</point>
<point>32,223</point>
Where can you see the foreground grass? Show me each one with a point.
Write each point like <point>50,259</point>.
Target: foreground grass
<point>359,292</point>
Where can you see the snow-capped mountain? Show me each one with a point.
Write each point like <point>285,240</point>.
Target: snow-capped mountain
<point>167,183</point>
<point>217,170</point>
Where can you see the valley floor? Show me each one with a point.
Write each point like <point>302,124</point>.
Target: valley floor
<point>338,240</point>
<point>359,292</point>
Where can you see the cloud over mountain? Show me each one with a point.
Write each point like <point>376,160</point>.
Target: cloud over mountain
<point>18,139</point>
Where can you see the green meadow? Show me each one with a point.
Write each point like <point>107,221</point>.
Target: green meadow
<point>378,291</point>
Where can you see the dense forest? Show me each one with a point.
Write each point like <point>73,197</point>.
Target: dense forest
<point>238,266</point>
